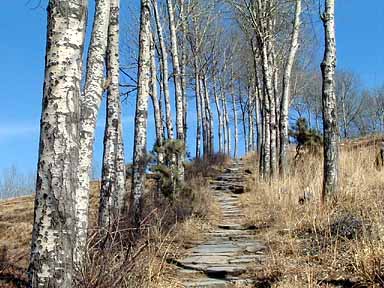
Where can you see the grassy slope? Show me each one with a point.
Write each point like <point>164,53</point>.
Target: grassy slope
<point>310,246</point>
<point>16,218</point>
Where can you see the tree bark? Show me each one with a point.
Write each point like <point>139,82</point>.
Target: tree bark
<point>226,121</point>
<point>270,113</point>
<point>251,126</point>
<point>284,108</point>
<point>243,109</point>
<point>183,63</point>
<point>178,89</point>
<point>51,263</point>
<point>198,111</point>
<point>219,115</point>
<point>204,120</point>
<point>156,106</point>
<point>164,66</point>
<point>330,129</point>
<point>140,137</point>
<point>266,159</point>
<point>234,110</point>
<point>113,194</point>
<point>209,116</point>
<point>89,105</point>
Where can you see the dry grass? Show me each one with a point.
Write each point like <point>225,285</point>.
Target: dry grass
<point>341,244</point>
<point>128,260</point>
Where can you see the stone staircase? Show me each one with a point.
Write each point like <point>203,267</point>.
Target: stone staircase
<point>231,250</point>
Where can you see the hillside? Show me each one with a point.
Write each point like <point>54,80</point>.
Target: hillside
<point>16,218</point>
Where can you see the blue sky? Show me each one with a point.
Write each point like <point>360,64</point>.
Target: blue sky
<point>360,42</point>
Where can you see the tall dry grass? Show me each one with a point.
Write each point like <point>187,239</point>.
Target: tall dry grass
<point>310,246</point>
<point>126,258</point>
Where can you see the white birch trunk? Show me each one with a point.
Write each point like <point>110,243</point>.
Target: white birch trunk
<point>156,106</point>
<point>219,115</point>
<point>198,111</point>
<point>143,92</point>
<point>331,138</point>
<point>90,104</point>
<point>113,194</point>
<point>270,113</point>
<point>183,63</point>
<point>284,108</point>
<point>225,135</point>
<point>266,159</point>
<point>204,119</point>
<point>165,76</point>
<point>209,117</point>
<point>251,126</point>
<point>228,128</point>
<point>178,89</point>
<point>53,235</point>
<point>258,118</point>
<point>234,110</point>
<point>243,109</point>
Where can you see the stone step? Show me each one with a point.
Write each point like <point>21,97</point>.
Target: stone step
<point>206,283</point>
<point>226,178</point>
<point>230,250</point>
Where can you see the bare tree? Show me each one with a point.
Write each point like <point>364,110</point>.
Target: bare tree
<point>330,127</point>
<point>349,100</point>
<point>113,193</point>
<point>89,108</point>
<point>284,109</point>
<point>156,105</point>
<point>143,92</point>
<point>53,233</point>
<point>178,87</point>
<point>164,68</point>
<point>234,110</point>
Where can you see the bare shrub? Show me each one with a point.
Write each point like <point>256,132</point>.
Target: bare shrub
<point>126,256</point>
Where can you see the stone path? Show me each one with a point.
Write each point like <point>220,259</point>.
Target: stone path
<point>231,250</point>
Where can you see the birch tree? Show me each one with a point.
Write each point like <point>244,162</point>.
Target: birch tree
<point>234,110</point>
<point>178,87</point>
<point>156,105</point>
<point>164,68</point>
<point>330,127</point>
<point>184,13</point>
<point>209,117</point>
<point>143,92</point>
<point>51,263</point>
<point>113,194</point>
<point>198,108</point>
<point>219,113</point>
<point>284,109</point>
<point>90,104</point>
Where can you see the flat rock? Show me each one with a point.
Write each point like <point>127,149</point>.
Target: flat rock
<point>216,249</point>
<point>244,259</point>
<point>206,283</point>
<point>206,259</point>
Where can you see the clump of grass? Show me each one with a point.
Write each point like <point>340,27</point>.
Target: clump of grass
<point>312,245</point>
